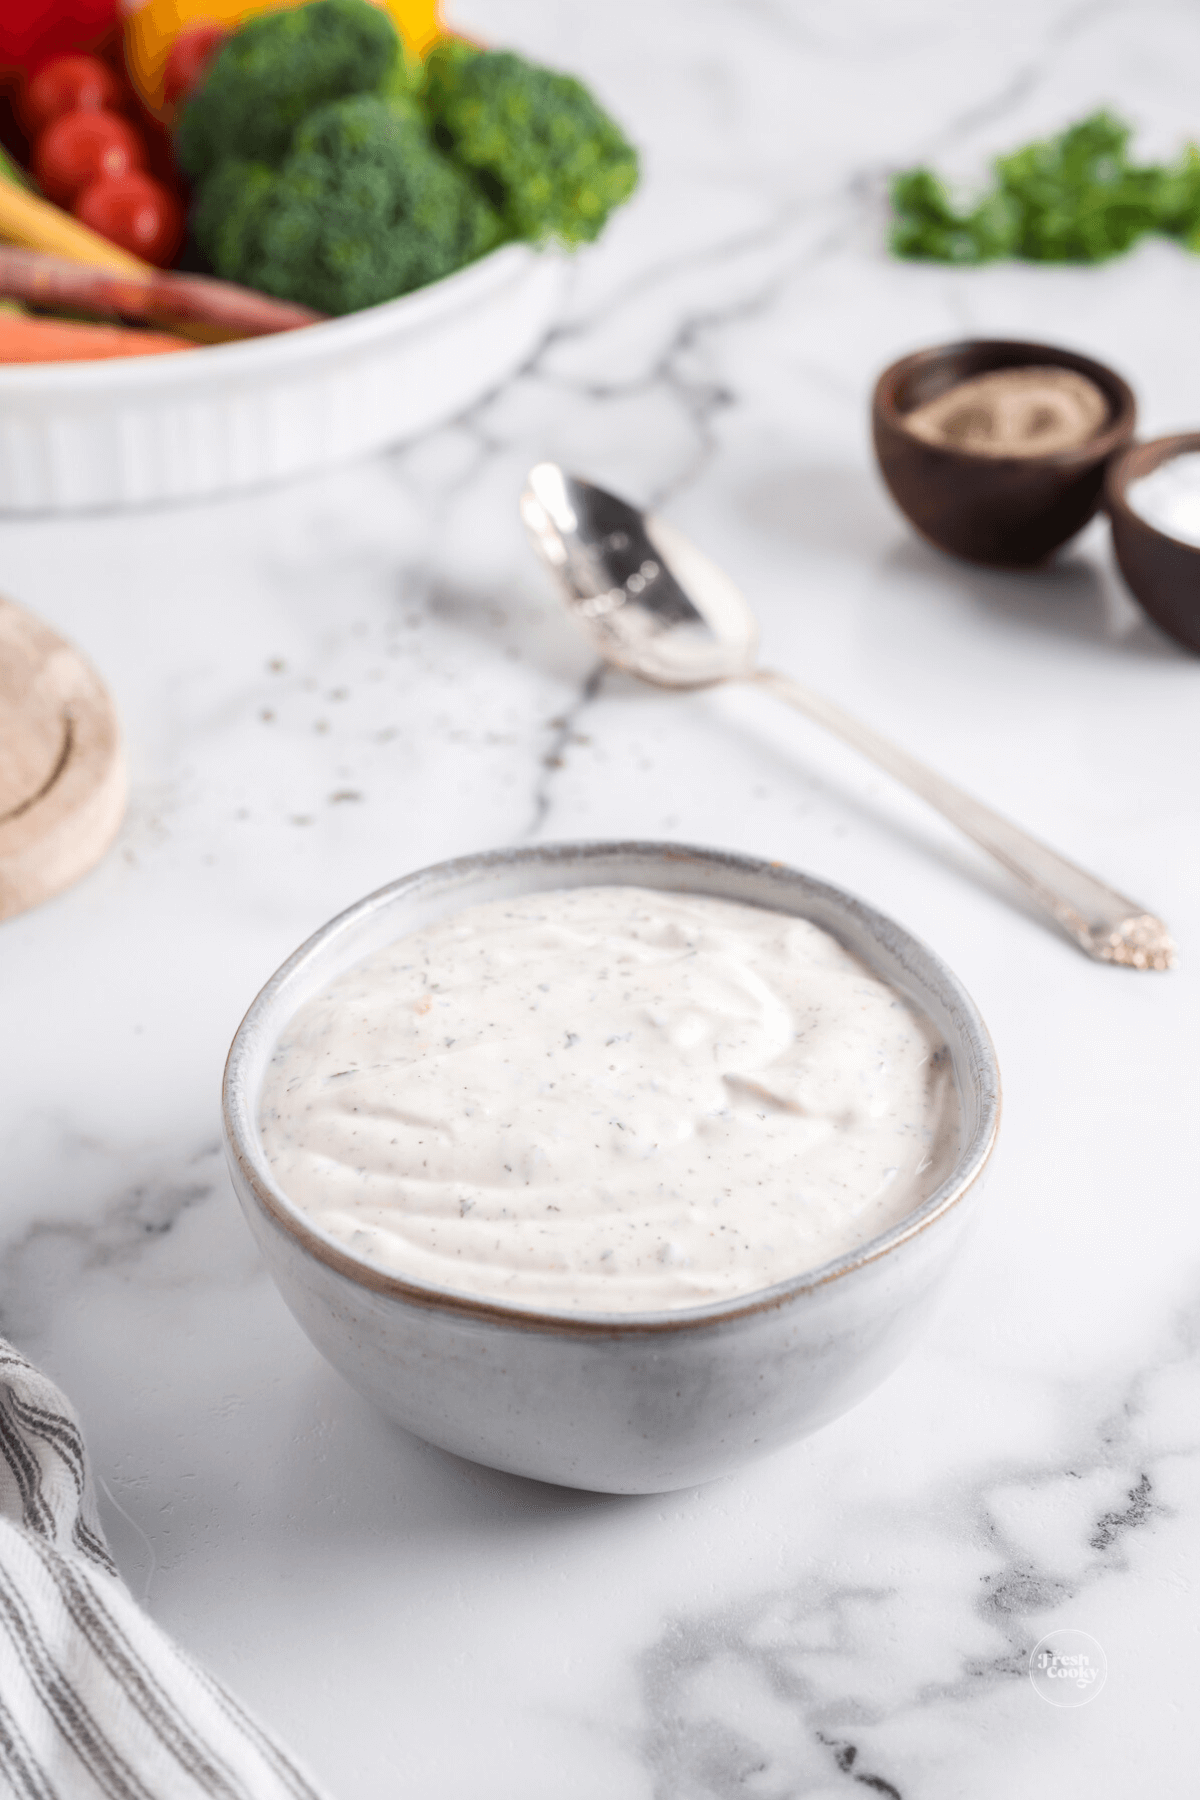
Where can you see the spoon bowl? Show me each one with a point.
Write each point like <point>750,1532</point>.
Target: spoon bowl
<point>651,603</point>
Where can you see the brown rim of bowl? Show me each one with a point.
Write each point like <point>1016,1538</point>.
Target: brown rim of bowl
<point>1015,353</point>
<point>238,1123</point>
<point>1134,462</point>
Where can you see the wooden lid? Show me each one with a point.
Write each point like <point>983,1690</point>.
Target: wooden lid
<point>62,774</point>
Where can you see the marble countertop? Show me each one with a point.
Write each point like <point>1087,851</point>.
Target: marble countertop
<point>331,683</point>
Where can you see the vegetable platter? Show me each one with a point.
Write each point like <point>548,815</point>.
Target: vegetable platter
<point>369,219</point>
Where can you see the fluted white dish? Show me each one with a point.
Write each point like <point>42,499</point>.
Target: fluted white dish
<point>624,1403</point>
<point>129,431</point>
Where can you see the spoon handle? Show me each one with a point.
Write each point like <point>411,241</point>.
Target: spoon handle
<point>1102,922</point>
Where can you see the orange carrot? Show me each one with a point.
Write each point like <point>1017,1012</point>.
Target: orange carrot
<point>50,340</point>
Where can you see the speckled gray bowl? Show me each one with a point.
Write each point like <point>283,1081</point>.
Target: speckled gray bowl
<point>629,1403</point>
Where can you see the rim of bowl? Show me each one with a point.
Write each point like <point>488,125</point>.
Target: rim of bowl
<point>927,969</point>
<point>457,291</point>
<point>1131,464</point>
<point>1116,389</point>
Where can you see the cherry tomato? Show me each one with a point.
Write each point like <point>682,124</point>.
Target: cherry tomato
<point>32,31</point>
<point>188,59</point>
<point>134,211</point>
<point>69,84</point>
<point>79,148</point>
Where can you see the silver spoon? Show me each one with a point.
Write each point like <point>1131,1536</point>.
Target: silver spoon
<point>656,607</point>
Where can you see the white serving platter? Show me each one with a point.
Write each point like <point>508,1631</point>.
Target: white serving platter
<point>129,432</point>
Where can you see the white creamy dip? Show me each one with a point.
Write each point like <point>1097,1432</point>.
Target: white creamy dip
<point>608,1099</point>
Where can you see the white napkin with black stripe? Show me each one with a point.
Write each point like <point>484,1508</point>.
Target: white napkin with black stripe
<point>96,1703</point>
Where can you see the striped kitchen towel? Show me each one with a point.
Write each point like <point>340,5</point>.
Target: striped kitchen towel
<point>95,1702</point>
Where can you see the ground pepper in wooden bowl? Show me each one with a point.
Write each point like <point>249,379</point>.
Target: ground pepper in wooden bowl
<point>995,449</point>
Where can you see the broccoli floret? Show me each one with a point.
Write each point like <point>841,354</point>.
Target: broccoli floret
<point>275,71</point>
<point>364,208</point>
<point>227,215</point>
<point>548,157</point>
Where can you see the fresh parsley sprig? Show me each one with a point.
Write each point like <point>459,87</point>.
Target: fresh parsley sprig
<point>1074,198</point>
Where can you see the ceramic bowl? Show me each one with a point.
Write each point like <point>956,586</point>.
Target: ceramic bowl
<point>1006,512</point>
<point>628,1403</point>
<point>1163,573</point>
<point>151,428</point>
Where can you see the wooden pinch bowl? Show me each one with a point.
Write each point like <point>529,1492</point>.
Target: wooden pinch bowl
<point>1163,573</point>
<point>1007,512</point>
